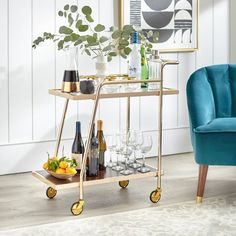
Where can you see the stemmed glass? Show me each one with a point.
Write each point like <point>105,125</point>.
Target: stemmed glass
<point>145,148</point>
<point>111,144</point>
<point>118,149</point>
<point>125,139</point>
<point>126,151</point>
<point>136,140</point>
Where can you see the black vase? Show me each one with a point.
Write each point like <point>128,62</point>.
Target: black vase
<point>70,81</point>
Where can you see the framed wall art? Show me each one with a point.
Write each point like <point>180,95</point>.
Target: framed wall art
<point>175,20</point>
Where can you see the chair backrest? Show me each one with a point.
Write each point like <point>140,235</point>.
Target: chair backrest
<point>211,93</point>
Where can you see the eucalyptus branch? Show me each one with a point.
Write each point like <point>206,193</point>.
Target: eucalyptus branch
<point>74,32</point>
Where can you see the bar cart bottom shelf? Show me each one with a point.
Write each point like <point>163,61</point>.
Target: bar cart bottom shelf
<point>107,176</point>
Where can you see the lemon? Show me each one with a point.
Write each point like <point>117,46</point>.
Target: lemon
<point>45,165</point>
<point>60,171</point>
<point>63,164</point>
<point>71,170</point>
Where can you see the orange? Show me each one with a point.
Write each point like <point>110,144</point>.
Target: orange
<point>63,164</point>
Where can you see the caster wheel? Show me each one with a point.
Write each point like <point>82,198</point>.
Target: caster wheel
<point>77,208</point>
<point>124,183</point>
<point>155,196</point>
<point>51,192</point>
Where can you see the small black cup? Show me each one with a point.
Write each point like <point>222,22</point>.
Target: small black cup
<point>87,86</point>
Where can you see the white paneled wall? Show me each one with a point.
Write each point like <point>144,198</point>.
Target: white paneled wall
<point>43,72</point>
<point>30,117</point>
<point>4,82</point>
<point>20,70</point>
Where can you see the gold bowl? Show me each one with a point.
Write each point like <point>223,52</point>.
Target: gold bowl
<point>60,176</point>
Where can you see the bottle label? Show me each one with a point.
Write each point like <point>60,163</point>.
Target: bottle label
<point>78,158</point>
<point>143,61</point>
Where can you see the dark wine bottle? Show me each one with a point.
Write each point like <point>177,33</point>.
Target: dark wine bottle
<point>78,146</point>
<point>93,165</point>
<point>102,147</point>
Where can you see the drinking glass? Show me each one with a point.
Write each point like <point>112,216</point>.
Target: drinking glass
<point>126,151</point>
<point>118,150</point>
<point>125,139</point>
<point>111,144</point>
<point>145,148</point>
<point>136,140</point>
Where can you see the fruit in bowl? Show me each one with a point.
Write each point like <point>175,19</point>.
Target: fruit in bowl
<point>61,168</point>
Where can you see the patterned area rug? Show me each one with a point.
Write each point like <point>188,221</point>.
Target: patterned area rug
<point>216,216</point>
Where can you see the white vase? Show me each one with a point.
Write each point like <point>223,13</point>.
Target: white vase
<point>101,66</point>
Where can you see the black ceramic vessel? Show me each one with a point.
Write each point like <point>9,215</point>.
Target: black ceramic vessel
<point>87,86</point>
<point>70,81</point>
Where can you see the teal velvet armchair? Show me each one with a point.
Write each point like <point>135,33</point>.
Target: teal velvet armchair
<point>211,97</point>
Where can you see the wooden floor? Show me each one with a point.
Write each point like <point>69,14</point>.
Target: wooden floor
<point>23,201</point>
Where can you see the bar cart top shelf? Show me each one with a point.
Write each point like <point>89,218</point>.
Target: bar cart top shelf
<point>137,93</point>
<point>107,176</point>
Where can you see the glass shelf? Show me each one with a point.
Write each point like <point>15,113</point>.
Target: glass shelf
<point>118,94</point>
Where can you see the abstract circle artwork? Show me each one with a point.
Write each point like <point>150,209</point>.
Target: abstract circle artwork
<point>175,20</point>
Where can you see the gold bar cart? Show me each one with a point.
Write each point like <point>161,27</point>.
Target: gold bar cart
<point>109,175</point>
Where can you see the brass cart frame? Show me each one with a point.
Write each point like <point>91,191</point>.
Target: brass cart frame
<point>54,184</point>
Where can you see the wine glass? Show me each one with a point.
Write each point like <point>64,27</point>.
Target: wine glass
<point>145,148</point>
<point>136,140</point>
<point>111,144</point>
<point>125,139</point>
<point>118,150</point>
<point>126,151</point>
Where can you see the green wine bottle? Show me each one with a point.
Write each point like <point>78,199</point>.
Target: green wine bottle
<point>144,68</point>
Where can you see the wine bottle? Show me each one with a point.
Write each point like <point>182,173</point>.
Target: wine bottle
<point>102,147</point>
<point>78,146</point>
<point>93,165</point>
<point>144,68</point>
<point>134,67</point>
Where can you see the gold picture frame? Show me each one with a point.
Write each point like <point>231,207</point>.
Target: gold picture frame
<point>121,22</point>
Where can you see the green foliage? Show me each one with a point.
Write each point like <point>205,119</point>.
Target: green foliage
<point>60,13</point>
<point>66,7</point>
<point>116,34</point>
<point>103,39</point>
<point>60,44</point>
<point>87,10</point>
<point>83,28</point>
<point>70,20</point>
<point>89,18</point>
<point>53,165</point>
<point>78,23</point>
<point>127,50</point>
<point>80,31</point>
<point>99,28</point>
<point>65,30</point>
<point>73,8</point>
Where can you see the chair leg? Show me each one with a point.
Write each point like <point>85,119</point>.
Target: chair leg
<point>201,182</point>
